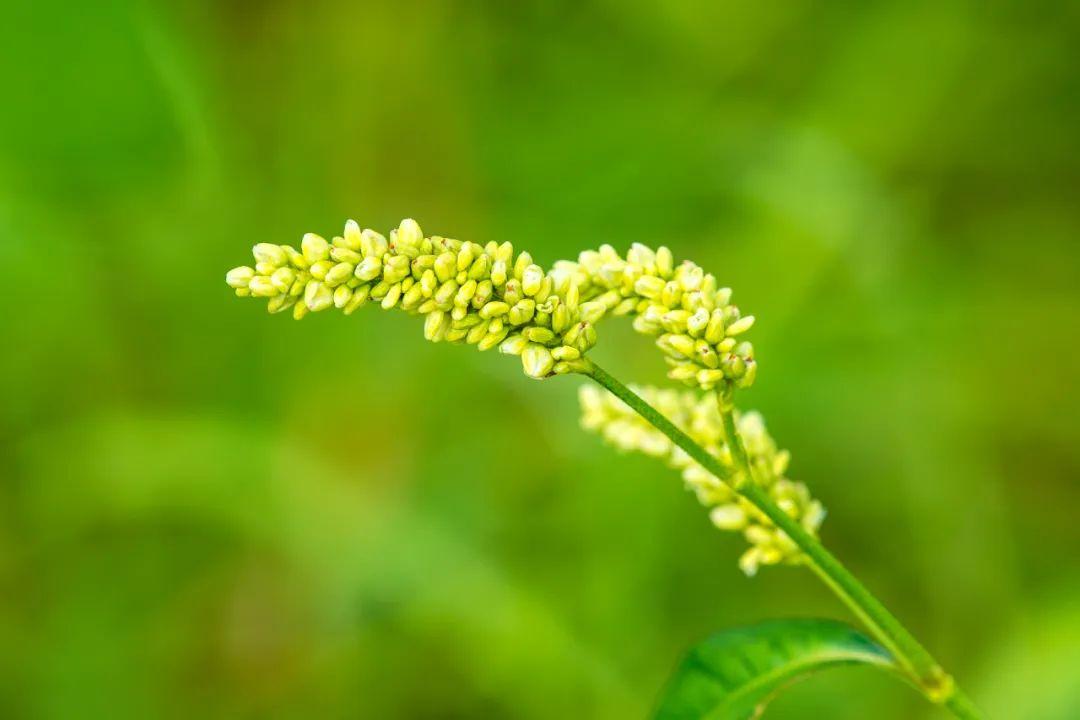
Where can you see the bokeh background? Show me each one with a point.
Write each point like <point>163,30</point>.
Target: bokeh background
<point>206,511</point>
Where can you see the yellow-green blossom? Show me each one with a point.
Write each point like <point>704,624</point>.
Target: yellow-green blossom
<point>490,296</point>
<point>699,417</point>
<point>483,295</point>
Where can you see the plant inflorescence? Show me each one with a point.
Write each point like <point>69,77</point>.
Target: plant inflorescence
<point>490,296</point>
<point>493,297</point>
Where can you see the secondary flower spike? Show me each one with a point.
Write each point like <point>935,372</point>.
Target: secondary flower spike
<point>490,296</point>
<point>699,418</point>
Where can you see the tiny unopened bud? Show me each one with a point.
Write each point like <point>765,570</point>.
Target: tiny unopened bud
<point>268,253</point>
<point>315,248</point>
<point>740,326</point>
<point>317,296</point>
<point>262,286</point>
<point>239,277</point>
<point>537,361</point>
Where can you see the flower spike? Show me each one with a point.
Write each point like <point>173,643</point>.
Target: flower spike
<point>488,296</point>
<point>699,417</point>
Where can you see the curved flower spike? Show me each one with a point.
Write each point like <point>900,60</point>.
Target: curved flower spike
<point>488,296</point>
<point>699,418</point>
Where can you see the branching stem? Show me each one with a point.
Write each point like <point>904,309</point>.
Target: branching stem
<point>915,660</point>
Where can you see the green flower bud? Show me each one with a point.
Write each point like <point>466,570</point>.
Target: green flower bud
<point>494,309</point>
<point>280,303</point>
<point>560,319</point>
<point>734,366</point>
<point>428,283</point>
<point>537,361</point>
<point>315,248</point>
<point>445,267</point>
<point>678,345</point>
<point>565,352</point>
<point>671,296</point>
<point>683,372</point>
<point>373,244</point>
<point>523,261</point>
<point>338,274</point>
<point>396,269</point>
<point>689,277</point>
<point>728,517</point>
<point>412,297</point>
<point>477,333</point>
<point>464,258</point>
<point>740,326</point>
<point>493,338</point>
<point>239,277</point>
<point>479,268</point>
<point>498,273</point>
<point>343,254</point>
<point>484,291</point>
<point>593,311</point>
<point>513,345</point>
<point>351,237</point>
<point>296,258</point>
<point>342,296</point>
<point>272,255</point>
<point>317,296</point>
<point>665,263</point>
<point>369,269</point>
<point>436,326</point>
<point>586,338</point>
<point>283,279</point>
<point>749,375</point>
<point>573,297</point>
<point>446,292</point>
<point>465,294</point>
<point>538,335</point>
<point>696,323</point>
<point>705,355</point>
<point>319,269</point>
<point>649,286</point>
<point>392,296</point>
<point>531,280</point>
<point>262,286</point>
<point>409,234</point>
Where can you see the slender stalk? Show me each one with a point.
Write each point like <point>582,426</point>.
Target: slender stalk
<point>924,671</point>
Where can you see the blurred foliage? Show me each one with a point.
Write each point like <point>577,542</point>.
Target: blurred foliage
<point>209,512</point>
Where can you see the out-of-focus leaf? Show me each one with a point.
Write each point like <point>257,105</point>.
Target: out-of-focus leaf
<point>734,674</point>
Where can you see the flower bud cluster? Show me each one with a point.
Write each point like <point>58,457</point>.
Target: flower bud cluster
<point>699,417</point>
<point>483,295</point>
<point>693,320</point>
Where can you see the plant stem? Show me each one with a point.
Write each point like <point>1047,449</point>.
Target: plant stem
<point>924,671</point>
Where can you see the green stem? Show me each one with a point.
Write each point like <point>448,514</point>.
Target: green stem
<point>927,674</point>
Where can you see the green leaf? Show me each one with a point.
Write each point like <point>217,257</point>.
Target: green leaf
<point>734,674</point>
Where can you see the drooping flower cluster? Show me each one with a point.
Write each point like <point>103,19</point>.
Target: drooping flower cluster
<point>483,295</point>
<point>699,417</point>
<point>693,320</point>
<point>488,296</point>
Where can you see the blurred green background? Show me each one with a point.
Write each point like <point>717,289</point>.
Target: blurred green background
<point>206,511</point>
